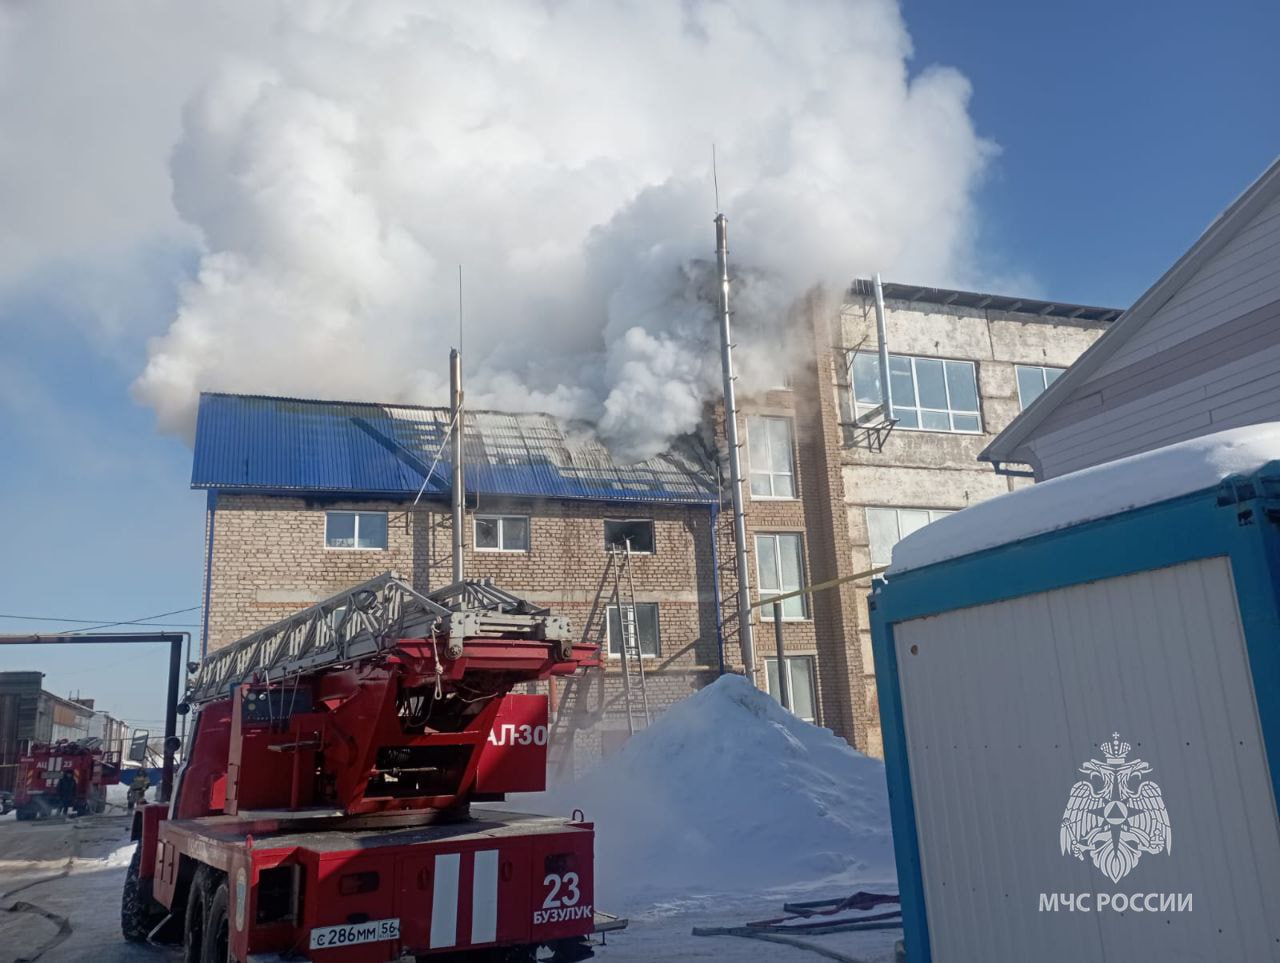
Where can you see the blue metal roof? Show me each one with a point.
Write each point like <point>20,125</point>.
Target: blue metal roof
<point>262,444</point>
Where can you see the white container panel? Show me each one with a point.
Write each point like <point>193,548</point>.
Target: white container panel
<point>1003,703</point>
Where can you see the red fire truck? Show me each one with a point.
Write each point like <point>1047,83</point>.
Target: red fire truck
<point>41,769</point>
<point>323,812</point>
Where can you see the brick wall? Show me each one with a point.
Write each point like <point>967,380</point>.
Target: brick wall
<point>269,560</point>
<point>828,632</point>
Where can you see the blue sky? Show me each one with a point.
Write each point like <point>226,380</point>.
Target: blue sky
<point>1123,130</point>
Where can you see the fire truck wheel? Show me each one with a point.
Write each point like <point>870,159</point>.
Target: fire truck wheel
<point>571,950</point>
<point>137,915</point>
<point>196,916</point>
<point>24,814</point>
<point>216,930</point>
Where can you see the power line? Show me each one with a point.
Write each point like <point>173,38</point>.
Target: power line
<point>63,618</point>
<point>144,619</point>
<point>92,624</point>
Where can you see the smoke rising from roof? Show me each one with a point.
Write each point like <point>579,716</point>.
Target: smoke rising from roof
<point>336,161</point>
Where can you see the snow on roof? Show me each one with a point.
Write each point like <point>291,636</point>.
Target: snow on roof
<point>1093,493</point>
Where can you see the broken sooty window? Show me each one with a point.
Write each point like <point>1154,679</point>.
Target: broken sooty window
<point>637,531</point>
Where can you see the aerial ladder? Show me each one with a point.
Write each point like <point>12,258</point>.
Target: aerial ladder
<point>634,692</point>
<point>324,808</point>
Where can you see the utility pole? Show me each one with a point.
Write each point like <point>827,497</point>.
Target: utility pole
<point>735,452</point>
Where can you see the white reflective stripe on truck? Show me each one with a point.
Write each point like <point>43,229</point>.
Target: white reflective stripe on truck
<point>444,901</point>
<point>484,897</point>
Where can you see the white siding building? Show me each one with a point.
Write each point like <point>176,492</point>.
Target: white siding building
<point>1199,352</point>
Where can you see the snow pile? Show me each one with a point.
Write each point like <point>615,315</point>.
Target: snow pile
<point>729,793</point>
<point>1090,494</point>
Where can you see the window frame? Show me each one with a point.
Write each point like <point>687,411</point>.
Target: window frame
<point>355,532</point>
<point>657,631</point>
<point>861,408</point>
<point>1044,378</point>
<point>772,475</point>
<point>653,534</point>
<point>501,519</point>
<point>934,515</point>
<point>766,607</point>
<point>789,658</point>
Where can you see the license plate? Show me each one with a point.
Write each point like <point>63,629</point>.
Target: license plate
<point>348,934</point>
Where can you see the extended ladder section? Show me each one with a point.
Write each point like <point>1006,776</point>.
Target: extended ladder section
<point>369,619</point>
<point>634,692</point>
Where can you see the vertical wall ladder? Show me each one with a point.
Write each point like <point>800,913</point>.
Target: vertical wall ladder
<point>634,691</point>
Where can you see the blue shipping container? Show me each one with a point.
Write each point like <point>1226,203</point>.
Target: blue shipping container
<point>1082,735</point>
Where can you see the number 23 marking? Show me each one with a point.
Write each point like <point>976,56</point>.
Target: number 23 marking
<point>571,895</point>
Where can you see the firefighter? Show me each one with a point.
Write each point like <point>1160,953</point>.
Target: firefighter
<point>138,789</point>
<point>66,791</point>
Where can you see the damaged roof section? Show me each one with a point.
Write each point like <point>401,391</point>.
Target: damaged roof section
<point>976,300</point>
<point>279,445</point>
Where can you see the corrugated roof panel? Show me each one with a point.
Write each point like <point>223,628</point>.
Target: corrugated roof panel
<point>254,443</point>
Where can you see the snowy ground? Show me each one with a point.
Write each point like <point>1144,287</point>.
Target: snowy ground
<point>715,815</point>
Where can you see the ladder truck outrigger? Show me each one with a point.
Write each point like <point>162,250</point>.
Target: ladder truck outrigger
<point>323,810</point>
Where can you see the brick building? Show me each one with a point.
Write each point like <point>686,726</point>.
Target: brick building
<point>309,497</point>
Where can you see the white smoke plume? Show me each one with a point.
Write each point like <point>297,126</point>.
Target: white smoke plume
<point>336,161</point>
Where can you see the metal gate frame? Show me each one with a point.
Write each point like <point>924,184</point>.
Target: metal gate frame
<point>175,641</point>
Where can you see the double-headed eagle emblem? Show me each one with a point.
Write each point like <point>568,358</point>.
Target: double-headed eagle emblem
<point>1112,818</point>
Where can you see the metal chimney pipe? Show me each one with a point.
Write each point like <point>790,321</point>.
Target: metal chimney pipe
<point>735,460</point>
<point>457,490</point>
<point>883,338</point>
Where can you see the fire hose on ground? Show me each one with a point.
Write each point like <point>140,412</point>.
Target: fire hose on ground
<point>800,919</point>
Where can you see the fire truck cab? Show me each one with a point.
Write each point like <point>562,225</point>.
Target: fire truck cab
<point>324,809</point>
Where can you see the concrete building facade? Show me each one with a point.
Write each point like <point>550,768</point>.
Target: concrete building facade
<point>961,367</point>
<point>828,491</point>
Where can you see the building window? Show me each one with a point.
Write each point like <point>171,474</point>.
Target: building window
<point>638,532</point>
<point>887,526</point>
<point>799,669</point>
<point>646,629</point>
<point>779,570</point>
<point>926,394</point>
<point>1032,380</point>
<point>769,452</point>
<point>502,533</point>
<point>355,530</point>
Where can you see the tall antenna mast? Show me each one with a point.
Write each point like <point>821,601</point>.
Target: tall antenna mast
<point>735,449</point>
<point>457,491</point>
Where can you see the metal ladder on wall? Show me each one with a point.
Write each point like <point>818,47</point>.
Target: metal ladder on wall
<point>634,691</point>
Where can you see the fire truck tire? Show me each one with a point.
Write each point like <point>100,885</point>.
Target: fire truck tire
<point>196,916</point>
<point>24,814</point>
<point>137,913</point>
<point>217,931</point>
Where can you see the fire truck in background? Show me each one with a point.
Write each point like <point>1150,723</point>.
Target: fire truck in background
<point>323,812</point>
<point>40,771</point>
